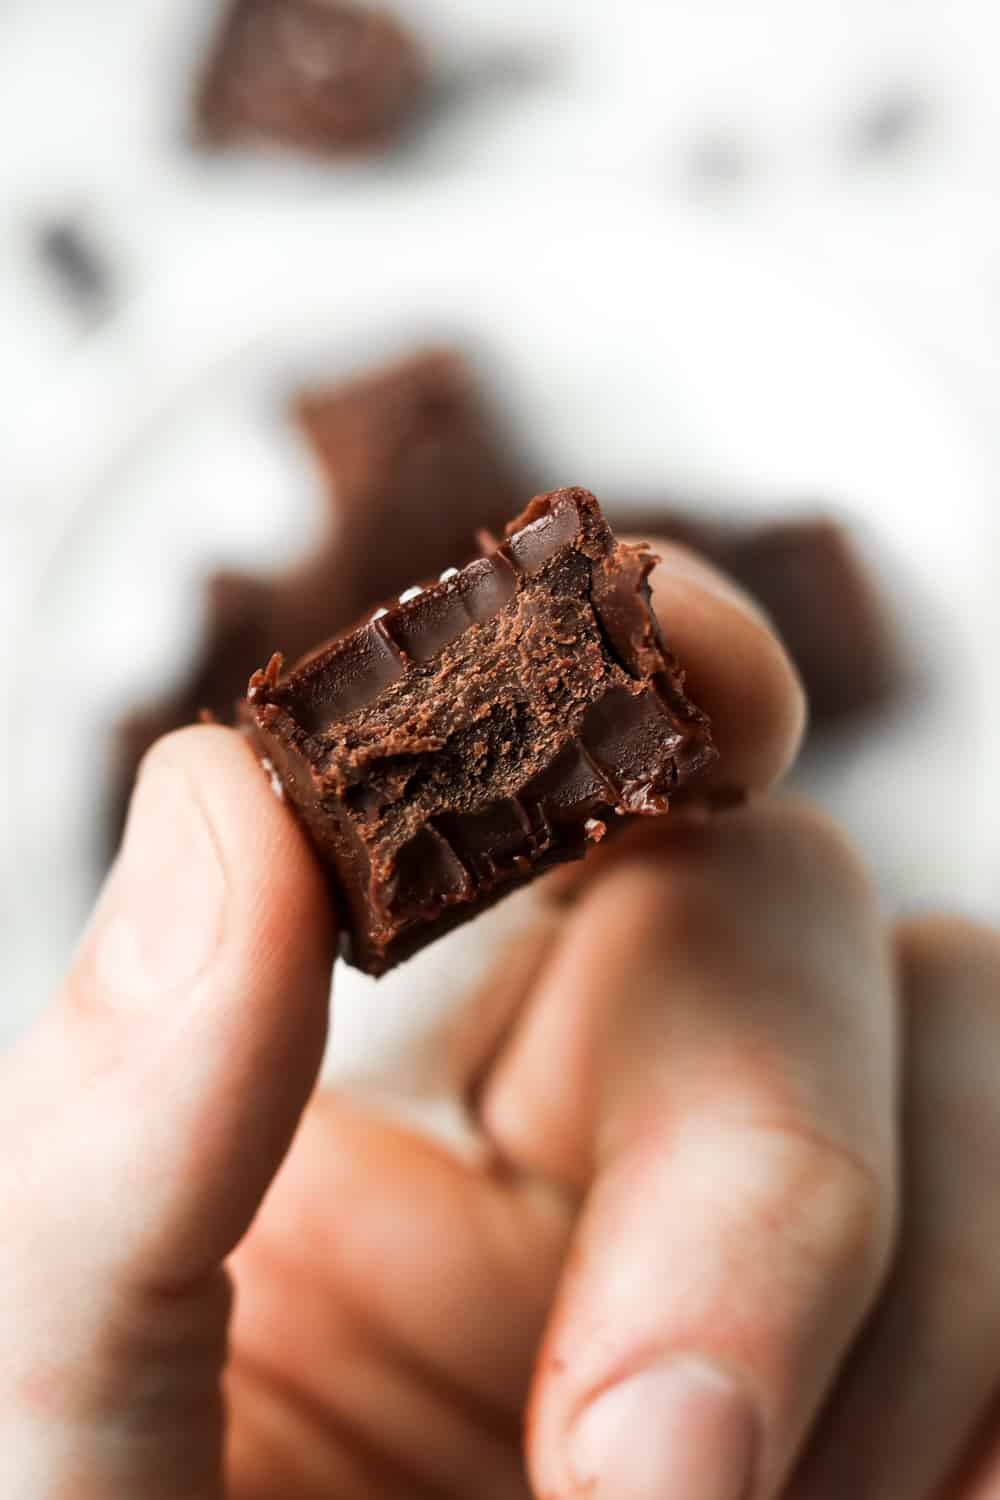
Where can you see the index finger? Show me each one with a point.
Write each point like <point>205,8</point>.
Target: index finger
<point>738,671</point>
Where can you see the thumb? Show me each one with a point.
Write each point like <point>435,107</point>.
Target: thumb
<point>143,1119</point>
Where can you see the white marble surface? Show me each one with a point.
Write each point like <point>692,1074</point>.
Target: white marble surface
<point>815,319</point>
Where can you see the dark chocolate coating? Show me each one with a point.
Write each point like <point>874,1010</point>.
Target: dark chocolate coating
<point>481,730</point>
<point>413,465</point>
<point>817,590</point>
<point>323,76</point>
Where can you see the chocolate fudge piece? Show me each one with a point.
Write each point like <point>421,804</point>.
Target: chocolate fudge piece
<point>414,464</point>
<point>481,729</point>
<point>325,76</point>
<point>819,593</point>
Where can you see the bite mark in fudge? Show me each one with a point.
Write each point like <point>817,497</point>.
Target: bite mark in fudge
<point>490,727</point>
<point>818,591</point>
<point>324,76</point>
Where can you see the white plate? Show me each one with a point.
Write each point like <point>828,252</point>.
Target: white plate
<point>631,355</point>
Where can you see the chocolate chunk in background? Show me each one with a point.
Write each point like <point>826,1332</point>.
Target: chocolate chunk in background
<point>328,77</point>
<point>481,729</point>
<point>414,463</point>
<point>817,589</point>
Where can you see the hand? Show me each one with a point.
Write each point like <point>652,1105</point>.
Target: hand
<point>730,1234</point>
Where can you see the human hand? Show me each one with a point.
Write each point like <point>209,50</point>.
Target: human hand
<point>683,1248</point>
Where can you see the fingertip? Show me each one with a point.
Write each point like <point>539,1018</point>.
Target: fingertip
<point>738,670</point>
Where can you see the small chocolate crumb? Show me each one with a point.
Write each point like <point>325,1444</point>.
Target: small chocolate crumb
<point>75,264</point>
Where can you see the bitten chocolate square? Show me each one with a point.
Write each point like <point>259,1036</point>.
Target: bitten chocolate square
<point>481,729</point>
<point>324,76</point>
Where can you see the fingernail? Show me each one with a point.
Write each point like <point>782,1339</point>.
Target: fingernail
<point>676,1431</point>
<point>159,920</point>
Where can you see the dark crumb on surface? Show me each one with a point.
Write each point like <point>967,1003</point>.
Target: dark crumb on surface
<point>75,264</point>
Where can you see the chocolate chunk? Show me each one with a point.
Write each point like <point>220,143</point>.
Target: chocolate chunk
<point>472,735</point>
<point>819,593</point>
<point>324,76</point>
<point>413,466</point>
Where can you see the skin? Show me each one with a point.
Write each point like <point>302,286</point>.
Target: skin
<point>727,1231</point>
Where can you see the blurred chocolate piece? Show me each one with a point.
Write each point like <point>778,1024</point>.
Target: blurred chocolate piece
<point>818,591</point>
<point>324,76</point>
<point>481,729</point>
<point>414,465</point>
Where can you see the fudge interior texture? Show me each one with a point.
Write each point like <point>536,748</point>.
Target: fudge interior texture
<point>481,729</point>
